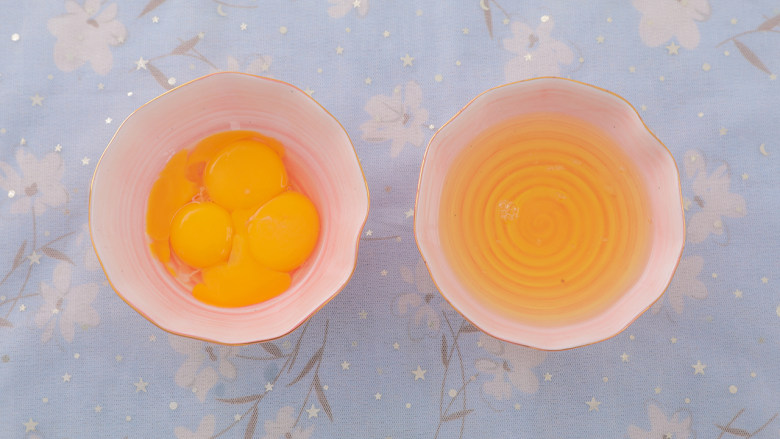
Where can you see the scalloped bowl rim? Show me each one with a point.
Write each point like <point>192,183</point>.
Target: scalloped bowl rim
<point>525,334</point>
<point>294,320</point>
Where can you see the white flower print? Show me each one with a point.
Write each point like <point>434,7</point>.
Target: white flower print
<point>192,373</point>
<point>663,20</point>
<point>341,8</point>
<point>514,362</point>
<point>425,319</point>
<point>684,283</point>
<point>70,305</point>
<point>399,118</point>
<point>84,34</point>
<point>662,427</point>
<point>258,66</point>
<point>38,186</point>
<point>712,196</point>
<point>204,431</point>
<point>537,53</point>
<point>282,426</point>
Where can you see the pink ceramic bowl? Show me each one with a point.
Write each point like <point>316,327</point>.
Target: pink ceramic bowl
<point>615,116</point>
<point>321,162</point>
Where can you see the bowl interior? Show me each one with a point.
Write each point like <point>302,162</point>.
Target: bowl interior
<point>321,162</point>
<point>620,121</point>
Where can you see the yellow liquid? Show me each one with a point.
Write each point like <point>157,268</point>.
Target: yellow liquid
<point>545,219</point>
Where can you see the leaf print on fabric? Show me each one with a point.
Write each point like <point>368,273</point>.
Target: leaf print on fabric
<point>538,54</point>
<point>423,319</point>
<point>283,427</point>
<point>712,200</point>
<point>84,34</point>
<point>204,431</point>
<point>341,8</point>
<point>204,365</point>
<point>398,118</point>
<point>39,185</point>
<point>684,283</point>
<point>663,20</point>
<point>661,427</point>
<point>65,303</point>
<point>512,368</point>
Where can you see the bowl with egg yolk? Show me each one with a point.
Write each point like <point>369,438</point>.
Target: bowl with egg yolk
<point>228,209</point>
<point>548,214</point>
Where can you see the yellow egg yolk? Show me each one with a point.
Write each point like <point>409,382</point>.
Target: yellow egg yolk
<point>221,217</point>
<point>241,281</point>
<point>201,234</point>
<point>244,175</point>
<point>284,231</point>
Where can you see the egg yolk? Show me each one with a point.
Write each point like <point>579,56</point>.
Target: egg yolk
<point>284,231</point>
<point>246,174</point>
<point>222,217</point>
<point>241,281</point>
<point>201,234</point>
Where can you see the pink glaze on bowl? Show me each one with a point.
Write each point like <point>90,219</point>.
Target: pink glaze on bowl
<point>618,119</point>
<point>321,162</point>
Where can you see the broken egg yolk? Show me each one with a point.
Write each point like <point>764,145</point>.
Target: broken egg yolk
<point>224,221</point>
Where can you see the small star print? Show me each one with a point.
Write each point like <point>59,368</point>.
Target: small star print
<point>356,4</point>
<point>345,365</point>
<point>58,148</point>
<point>378,396</point>
<point>419,373</point>
<point>368,82</point>
<point>698,368</point>
<point>108,120</point>
<point>386,33</point>
<point>465,31</point>
<point>29,425</point>
<point>723,131</point>
<point>738,294</point>
<point>155,19</point>
<point>517,406</point>
<point>269,387</point>
<point>624,357</point>
<point>600,39</point>
<point>369,232</point>
<point>141,63</point>
<point>140,385</point>
<point>548,376</point>
<point>98,409</point>
<point>236,417</point>
<point>118,358</point>
<point>657,390</point>
<point>593,404</point>
<point>339,50</point>
<point>383,272</point>
<point>363,314</point>
<point>764,280</point>
<point>672,49</point>
<point>733,21</point>
<point>527,57</point>
<point>308,91</point>
<point>152,338</point>
<point>773,76</point>
<point>632,69</point>
<point>243,26</point>
<point>407,60</point>
<point>101,86</point>
<point>37,100</point>
<point>22,307</point>
<point>396,346</point>
<point>409,213</point>
<point>745,176</point>
<point>313,411</point>
<point>505,21</point>
<point>34,258</point>
<point>85,161</point>
<point>66,378</point>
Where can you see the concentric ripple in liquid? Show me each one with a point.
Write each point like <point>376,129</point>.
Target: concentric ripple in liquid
<point>545,218</point>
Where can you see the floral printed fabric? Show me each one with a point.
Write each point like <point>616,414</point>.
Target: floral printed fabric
<point>389,357</point>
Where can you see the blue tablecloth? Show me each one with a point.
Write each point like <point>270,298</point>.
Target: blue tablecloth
<point>77,362</point>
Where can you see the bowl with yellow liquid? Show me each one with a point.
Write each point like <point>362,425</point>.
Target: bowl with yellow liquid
<point>228,209</point>
<point>548,214</point>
